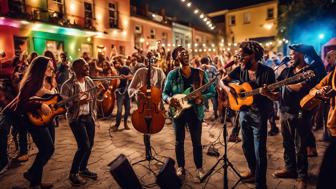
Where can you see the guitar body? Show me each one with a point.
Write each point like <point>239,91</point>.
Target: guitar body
<point>309,102</point>
<point>236,101</point>
<point>184,104</point>
<point>38,119</point>
<point>148,109</point>
<point>242,95</point>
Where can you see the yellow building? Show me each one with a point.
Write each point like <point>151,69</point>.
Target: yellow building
<point>256,22</point>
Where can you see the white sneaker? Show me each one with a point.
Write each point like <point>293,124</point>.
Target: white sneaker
<point>200,173</point>
<point>180,171</point>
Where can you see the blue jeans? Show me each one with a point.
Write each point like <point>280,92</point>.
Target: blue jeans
<point>254,133</point>
<point>84,130</point>
<point>44,139</point>
<point>296,132</point>
<point>189,118</point>
<point>5,124</point>
<point>214,101</point>
<point>20,129</point>
<point>122,99</point>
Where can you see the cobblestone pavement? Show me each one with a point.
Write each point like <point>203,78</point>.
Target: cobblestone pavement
<point>130,143</point>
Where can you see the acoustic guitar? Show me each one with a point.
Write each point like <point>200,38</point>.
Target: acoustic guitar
<point>184,98</point>
<point>57,106</point>
<point>242,94</point>
<point>310,101</point>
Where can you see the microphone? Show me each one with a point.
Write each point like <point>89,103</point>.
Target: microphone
<point>285,60</point>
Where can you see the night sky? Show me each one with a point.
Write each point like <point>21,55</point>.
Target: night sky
<point>175,8</point>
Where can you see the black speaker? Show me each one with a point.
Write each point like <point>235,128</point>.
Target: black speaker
<point>123,173</point>
<point>167,178</point>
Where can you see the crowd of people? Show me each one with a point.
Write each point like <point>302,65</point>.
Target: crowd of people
<point>173,72</point>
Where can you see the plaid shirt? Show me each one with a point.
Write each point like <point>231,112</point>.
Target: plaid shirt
<point>71,88</point>
<point>174,85</point>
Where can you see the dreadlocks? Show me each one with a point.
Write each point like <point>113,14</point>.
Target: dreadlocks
<point>251,47</point>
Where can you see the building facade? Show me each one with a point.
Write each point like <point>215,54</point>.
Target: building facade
<point>257,22</point>
<point>149,34</point>
<point>92,26</point>
<point>203,42</point>
<point>71,26</point>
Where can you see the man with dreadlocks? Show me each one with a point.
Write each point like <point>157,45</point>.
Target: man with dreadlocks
<point>253,119</point>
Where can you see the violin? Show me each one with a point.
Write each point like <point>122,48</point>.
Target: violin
<point>148,118</point>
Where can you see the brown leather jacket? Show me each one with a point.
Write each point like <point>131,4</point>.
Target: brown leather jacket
<point>329,80</point>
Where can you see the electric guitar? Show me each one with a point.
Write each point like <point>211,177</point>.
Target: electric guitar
<point>242,94</point>
<point>184,98</point>
<point>57,105</point>
<point>310,102</point>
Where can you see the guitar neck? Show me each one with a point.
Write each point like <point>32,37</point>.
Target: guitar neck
<point>200,89</point>
<point>276,85</point>
<point>63,102</point>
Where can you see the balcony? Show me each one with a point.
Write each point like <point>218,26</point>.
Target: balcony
<point>19,10</point>
<point>147,15</point>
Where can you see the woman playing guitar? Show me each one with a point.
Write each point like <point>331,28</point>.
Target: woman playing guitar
<point>33,84</point>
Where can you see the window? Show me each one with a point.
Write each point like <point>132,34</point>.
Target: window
<point>164,38</point>
<point>270,13</point>
<point>122,50</point>
<point>232,20</point>
<point>152,34</point>
<point>138,29</point>
<point>20,44</point>
<point>247,18</point>
<point>113,15</point>
<point>88,14</point>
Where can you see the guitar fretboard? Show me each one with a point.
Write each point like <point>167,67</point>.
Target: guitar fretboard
<point>279,84</point>
<point>188,97</point>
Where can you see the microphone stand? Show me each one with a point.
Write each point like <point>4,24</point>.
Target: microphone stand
<point>225,159</point>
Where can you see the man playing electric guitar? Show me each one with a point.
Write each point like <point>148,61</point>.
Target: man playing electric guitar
<point>295,122</point>
<point>253,119</point>
<point>178,80</point>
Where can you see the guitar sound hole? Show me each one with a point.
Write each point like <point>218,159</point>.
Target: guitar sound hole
<point>242,94</point>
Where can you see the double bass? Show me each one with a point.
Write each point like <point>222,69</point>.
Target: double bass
<point>106,98</point>
<point>148,118</point>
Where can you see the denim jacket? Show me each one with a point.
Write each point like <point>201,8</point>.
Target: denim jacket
<point>174,85</point>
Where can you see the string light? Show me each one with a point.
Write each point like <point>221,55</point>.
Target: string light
<point>202,15</point>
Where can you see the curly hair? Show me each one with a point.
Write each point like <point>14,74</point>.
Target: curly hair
<point>251,47</point>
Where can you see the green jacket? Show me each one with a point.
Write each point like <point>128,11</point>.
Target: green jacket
<point>174,85</point>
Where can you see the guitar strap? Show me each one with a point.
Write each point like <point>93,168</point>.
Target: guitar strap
<point>198,78</point>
